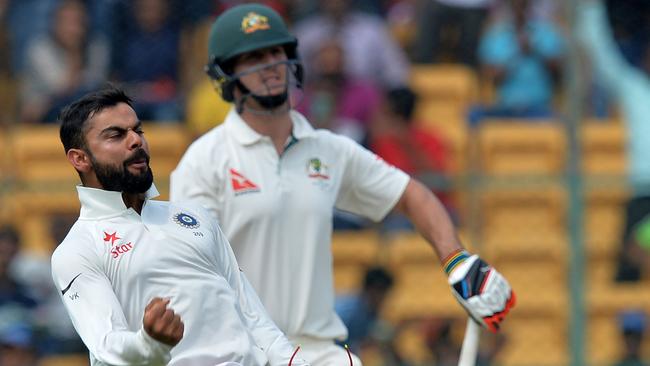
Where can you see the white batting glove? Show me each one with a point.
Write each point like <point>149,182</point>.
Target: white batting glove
<point>480,289</point>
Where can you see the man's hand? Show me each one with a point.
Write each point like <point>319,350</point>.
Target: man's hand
<point>161,323</point>
<point>482,291</point>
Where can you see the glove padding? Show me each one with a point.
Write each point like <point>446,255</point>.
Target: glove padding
<point>482,291</point>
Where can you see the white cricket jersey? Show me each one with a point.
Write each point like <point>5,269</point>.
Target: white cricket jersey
<point>114,261</point>
<point>277,210</point>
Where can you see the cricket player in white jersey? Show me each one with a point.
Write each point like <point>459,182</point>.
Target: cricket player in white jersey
<point>148,282</point>
<point>272,182</point>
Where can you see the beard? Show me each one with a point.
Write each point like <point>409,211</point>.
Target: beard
<point>271,101</point>
<point>120,179</point>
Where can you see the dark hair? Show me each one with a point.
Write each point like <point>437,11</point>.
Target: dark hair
<point>378,277</point>
<point>74,116</point>
<point>9,233</point>
<point>402,102</point>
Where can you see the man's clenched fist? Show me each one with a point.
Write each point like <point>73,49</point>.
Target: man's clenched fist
<point>161,323</point>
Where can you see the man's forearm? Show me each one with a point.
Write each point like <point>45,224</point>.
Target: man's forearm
<point>430,218</point>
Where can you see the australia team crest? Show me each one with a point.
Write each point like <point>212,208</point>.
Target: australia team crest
<point>317,170</point>
<point>253,22</point>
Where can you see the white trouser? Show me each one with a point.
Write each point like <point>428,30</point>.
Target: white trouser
<point>323,352</point>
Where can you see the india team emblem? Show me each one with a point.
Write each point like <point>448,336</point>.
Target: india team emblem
<point>186,221</point>
<point>316,169</point>
<point>253,22</point>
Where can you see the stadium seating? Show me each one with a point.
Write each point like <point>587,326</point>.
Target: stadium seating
<point>511,147</point>
<point>445,92</point>
<point>536,341</point>
<point>452,82</point>
<point>65,360</point>
<point>603,148</point>
<point>604,215</point>
<point>353,252</point>
<point>38,156</point>
<point>523,223</point>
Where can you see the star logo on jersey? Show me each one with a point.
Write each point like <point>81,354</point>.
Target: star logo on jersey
<point>241,184</point>
<point>186,221</point>
<point>117,249</point>
<point>253,22</point>
<point>111,237</point>
<point>317,170</point>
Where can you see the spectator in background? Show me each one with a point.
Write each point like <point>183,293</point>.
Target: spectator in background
<point>147,66</point>
<point>439,20</point>
<point>33,270</point>
<point>360,312</point>
<point>421,153</point>
<point>370,51</point>
<point>629,87</point>
<point>25,21</point>
<point>63,64</point>
<point>632,326</point>
<point>17,345</point>
<point>334,100</point>
<point>401,142</point>
<point>16,304</point>
<point>438,339</point>
<point>11,291</point>
<point>521,56</point>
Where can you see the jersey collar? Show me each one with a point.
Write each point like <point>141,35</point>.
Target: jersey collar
<point>247,136</point>
<point>98,203</point>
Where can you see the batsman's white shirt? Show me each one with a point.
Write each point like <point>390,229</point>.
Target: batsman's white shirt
<point>114,261</point>
<point>277,210</point>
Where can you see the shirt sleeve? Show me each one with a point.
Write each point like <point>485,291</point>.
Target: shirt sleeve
<point>97,314</point>
<point>195,181</point>
<point>370,187</point>
<point>267,335</point>
<point>596,35</point>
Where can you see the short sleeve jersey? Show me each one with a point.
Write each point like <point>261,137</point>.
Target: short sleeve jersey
<point>276,210</point>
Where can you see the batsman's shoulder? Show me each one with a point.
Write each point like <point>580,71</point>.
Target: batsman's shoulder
<point>79,245</point>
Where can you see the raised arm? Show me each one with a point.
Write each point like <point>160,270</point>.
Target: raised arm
<point>595,34</point>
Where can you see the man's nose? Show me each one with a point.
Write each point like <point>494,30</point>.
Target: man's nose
<point>135,139</point>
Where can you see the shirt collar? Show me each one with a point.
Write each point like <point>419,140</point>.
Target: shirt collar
<point>98,203</point>
<point>247,136</point>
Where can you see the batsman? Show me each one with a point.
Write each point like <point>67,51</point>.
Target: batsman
<point>272,182</point>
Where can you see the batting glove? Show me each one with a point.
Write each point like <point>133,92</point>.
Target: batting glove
<point>479,288</point>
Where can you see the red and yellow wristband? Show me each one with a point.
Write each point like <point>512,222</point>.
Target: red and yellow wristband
<point>452,261</point>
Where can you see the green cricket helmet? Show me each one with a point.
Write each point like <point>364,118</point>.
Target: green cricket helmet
<point>241,29</point>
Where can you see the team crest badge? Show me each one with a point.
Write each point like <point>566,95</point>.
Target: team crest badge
<point>316,169</point>
<point>253,22</point>
<point>186,221</point>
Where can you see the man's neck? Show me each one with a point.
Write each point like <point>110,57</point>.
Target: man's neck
<point>277,126</point>
<point>134,200</point>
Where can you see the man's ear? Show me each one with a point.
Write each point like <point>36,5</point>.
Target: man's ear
<point>80,160</point>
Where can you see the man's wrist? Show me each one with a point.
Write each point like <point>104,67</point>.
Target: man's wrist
<point>454,259</point>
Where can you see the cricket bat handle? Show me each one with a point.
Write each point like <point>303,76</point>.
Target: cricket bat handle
<point>470,344</point>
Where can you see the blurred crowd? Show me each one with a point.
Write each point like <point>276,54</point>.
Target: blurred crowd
<point>357,55</point>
